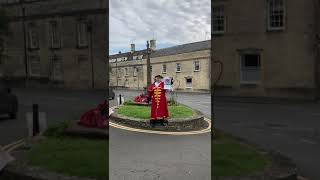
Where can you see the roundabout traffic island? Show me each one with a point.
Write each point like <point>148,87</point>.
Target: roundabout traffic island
<point>182,118</point>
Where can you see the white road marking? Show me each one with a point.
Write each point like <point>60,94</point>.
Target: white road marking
<point>14,145</point>
<point>307,141</point>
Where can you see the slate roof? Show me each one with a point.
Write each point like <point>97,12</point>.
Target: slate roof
<point>179,49</point>
<point>184,48</point>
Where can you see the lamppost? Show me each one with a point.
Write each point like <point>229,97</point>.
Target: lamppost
<point>148,65</point>
<point>24,42</point>
<point>89,26</point>
<point>117,72</point>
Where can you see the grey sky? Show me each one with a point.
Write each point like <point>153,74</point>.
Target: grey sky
<point>170,22</point>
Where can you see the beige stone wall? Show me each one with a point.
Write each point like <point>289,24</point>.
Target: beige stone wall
<point>200,80</point>
<point>287,57</point>
<point>70,13</point>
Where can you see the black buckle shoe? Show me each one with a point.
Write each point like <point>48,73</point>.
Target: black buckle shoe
<point>152,124</point>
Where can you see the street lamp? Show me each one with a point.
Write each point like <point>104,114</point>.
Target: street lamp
<point>89,28</point>
<point>148,65</point>
<point>24,42</point>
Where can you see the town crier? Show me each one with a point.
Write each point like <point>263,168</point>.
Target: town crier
<point>159,107</point>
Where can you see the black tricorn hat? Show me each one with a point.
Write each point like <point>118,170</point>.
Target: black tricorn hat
<point>158,76</point>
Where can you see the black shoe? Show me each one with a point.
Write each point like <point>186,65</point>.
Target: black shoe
<point>162,122</point>
<point>152,124</point>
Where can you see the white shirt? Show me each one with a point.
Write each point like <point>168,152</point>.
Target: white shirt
<point>157,84</point>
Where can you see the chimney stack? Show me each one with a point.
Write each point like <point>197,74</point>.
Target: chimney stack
<point>153,44</point>
<point>133,48</point>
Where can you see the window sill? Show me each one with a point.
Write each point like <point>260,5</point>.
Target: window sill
<point>178,71</point>
<point>218,33</point>
<point>82,47</point>
<point>55,48</point>
<point>33,49</point>
<point>275,30</point>
<point>196,70</point>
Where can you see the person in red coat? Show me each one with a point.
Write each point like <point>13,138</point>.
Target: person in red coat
<point>159,106</point>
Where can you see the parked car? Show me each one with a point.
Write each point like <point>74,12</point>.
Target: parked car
<point>111,94</point>
<point>8,103</point>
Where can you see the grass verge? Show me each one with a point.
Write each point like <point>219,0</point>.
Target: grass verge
<point>143,112</point>
<point>232,158</point>
<point>72,156</point>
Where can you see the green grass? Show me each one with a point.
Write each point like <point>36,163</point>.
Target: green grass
<point>231,158</point>
<point>143,112</point>
<point>72,156</point>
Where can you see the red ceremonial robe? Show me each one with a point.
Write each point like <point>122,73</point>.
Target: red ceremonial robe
<point>159,106</point>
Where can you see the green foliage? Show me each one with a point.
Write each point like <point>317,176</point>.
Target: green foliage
<point>143,112</point>
<point>72,156</point>
<point>57,130</point>
<point>232,158</point>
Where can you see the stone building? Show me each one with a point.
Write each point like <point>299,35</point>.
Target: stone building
<point>188,64</point>
<point>268,48</point>
<point>56,43</point>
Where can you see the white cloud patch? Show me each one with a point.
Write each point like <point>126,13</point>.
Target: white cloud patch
<point>170,22</point>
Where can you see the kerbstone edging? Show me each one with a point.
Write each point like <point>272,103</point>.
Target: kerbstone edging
<point>196,122</point>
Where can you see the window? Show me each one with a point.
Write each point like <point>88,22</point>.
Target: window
<point>150,68</point>
<point>178,66</point>
<point>196,65</point>
<point>33,36</point>
<point>82,30</point>
<point>188,83</point>
<point>164,68</point>
<point>135,72</point>
<point>35,66</point>
<point>57,70</point>
<point>218,20</point>
<point>83,67</point>
<point>276,14</point>
<point>250,68</point>
<point>54,38</point>
<point>126,71</point>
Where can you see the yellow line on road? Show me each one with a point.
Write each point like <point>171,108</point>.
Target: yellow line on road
<point>207,130</point>
<point>13,144</point>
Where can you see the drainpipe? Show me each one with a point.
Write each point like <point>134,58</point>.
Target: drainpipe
<point>317,47</point>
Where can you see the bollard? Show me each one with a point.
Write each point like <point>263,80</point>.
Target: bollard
<point>35,115</point>
<point>120,99</point>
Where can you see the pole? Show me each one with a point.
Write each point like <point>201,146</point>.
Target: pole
<point>35,109</point>
<point>24,43</point>
<point>91,56</point>
<point>117,71</point>
<point>148,65</point>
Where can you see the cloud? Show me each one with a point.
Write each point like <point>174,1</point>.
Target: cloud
<point>170,22</point>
